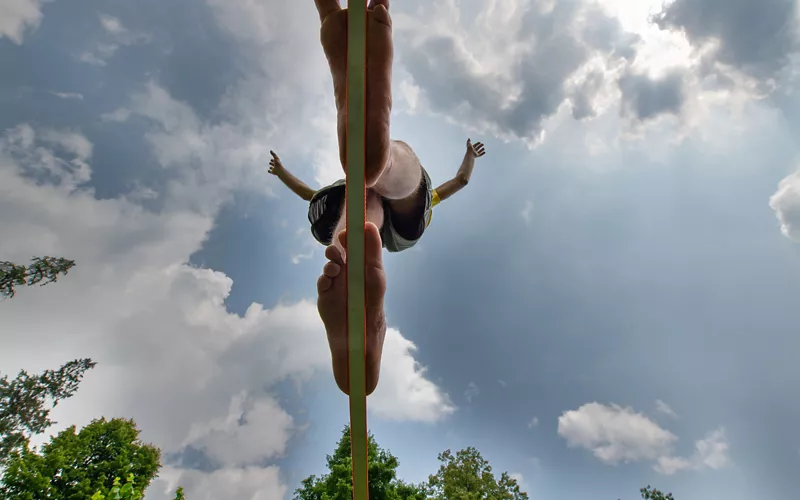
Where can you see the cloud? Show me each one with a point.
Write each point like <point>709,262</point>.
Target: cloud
<point>645,98</point>
<point>297,258</point>
<point>615,434</point>
<point>786,204</point>
<point>526,212</point>
<point>513,68</point>
<point>68,95</point>
<point>117,36</point>
<point>253,483</point>
<point>112,25</point>
<point>16,16</point>
<point>271,38</point>
<point>471,392</point>
<point>72,142</point>
<point>64,166</point>
<point>240,438</point>
<point>118,115</point>
<point>403,392</point>
<point>664,408</point>
<point>99,55</point>
<point>583,94</point>
<point>533,423</point>
<point>182,142</point>
<point>711,452</point>
<point>756,37</point>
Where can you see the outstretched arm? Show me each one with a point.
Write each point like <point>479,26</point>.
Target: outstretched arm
<point>461,179</point>
<point>296,185</point>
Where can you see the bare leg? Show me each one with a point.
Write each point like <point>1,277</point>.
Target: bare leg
<point>331,286</point>
<point>380,54</point>
<point>400,182</point>
<point>332,306</point>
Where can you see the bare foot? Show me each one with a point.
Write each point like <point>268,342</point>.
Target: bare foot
<point>380,54</point>
<point>332,306</point>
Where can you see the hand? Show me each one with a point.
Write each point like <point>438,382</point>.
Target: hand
<point>275,165</point>
<point>475,150</point>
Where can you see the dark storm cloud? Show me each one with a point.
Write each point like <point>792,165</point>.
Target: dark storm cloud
<point>755,36</point>
<point>645,98</point>
<point>557,44</point>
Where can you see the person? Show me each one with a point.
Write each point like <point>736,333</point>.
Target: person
<point>399,194</point>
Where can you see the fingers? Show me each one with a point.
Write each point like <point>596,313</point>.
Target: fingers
<point>478,148</point>
<point>275,163</point>
<point>326,8</point>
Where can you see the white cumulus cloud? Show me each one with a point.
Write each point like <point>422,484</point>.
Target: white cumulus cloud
<point>16,16</point>
<point>786,204</point>
<point>614,434</point>
<point>617,434</point>
<point>404,393</point>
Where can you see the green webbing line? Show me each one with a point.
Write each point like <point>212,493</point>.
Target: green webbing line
<point>356,216</point>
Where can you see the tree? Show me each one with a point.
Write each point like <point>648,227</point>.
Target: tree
<point>23,409</point>
<point>76,466</point>
<point>649,493</point>
<point>338,483</point>
<point>129,491</point>
<point>468,476</point>
<point>45,269</point>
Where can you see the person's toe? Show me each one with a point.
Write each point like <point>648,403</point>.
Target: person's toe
<point>331,269</point>
<point>373,246</point>
<point>323,284</point>
<point>333,254</point>
<point>375,3</point>
<point>381,14</point>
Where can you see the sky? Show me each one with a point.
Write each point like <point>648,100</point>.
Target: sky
<point>610,303</point>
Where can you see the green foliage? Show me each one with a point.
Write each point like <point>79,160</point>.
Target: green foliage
<point>23,409</point>
<point>128,491</point>
<point>468,476</point>
<point>654,494</point>
<point>120,491</point>
<point>41,269</point>
<point>337,484</point>
<point>74,466</point>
